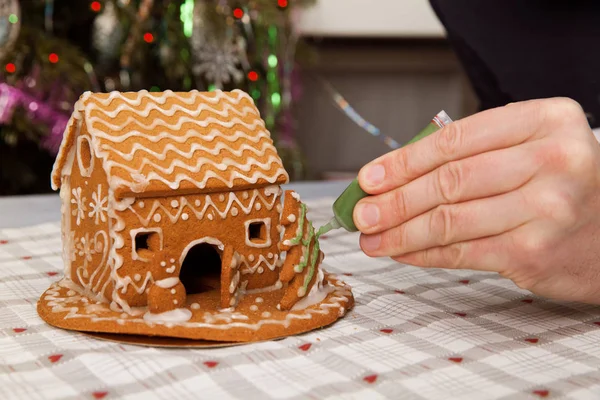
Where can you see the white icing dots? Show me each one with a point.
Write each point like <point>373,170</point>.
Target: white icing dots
<point>137,277</point>
<point>251,257</point>
<point>260,270</point>
<point>156,218</point>
<point>266,314</point>
<point>258,300</point>
<point>291,218</point>
<point>172,260</point>
<point>171,269</point>
<point>234,211</point>
<point>174,203</point>
<point>175,302</point>
<point>258,206</point>
<point>163,263</point>
<point>270,255</point>
<point>173,291</point>
<point>195,306</point>
<point>221,197</point>
<point>141,204</point>
<point>197,204</point>
<point>210,217</point>
<point>245,195</point>
<point>253,307</point>
<point>185,216</point>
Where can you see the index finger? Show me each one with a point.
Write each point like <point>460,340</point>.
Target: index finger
<point>489,130</point>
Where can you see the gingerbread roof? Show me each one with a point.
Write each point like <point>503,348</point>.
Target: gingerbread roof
<point>154,143</point>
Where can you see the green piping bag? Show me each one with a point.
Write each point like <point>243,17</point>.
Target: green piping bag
<point>343,207</point>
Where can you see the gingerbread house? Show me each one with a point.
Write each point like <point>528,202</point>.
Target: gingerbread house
<point>171,203</point>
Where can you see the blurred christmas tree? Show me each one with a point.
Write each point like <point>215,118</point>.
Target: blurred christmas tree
<point>53,50</point>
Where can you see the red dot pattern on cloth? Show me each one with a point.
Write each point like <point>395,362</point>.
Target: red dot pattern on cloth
<point>55,358</point>
<point>305,346</point>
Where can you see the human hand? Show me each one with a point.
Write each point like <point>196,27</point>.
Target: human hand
<point>514,190</point>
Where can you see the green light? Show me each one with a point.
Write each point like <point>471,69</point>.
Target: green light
<point>13,19</point>
<point>256,94</point>
<point>187,17</point>
<point>270,121</point>
<point>276,99</point>
<point>272,33</point>
<point>271,76</point>
<point>211,87</point>
<point>185,54</point>
<point>272,60</point>
<point>155,89</point>
<point>187,82</point>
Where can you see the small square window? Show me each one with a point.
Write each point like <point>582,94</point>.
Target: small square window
<point>145,243</point>
<point>258,232</point>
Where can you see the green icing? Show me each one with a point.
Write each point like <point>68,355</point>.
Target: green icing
<point>305,243</point>
<point>300,231</point>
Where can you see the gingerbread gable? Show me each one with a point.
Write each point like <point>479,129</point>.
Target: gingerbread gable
<point>174,143</point>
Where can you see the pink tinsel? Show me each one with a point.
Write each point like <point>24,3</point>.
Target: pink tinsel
<point>12,97</point>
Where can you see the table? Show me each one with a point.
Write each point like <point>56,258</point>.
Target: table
<point>414,334</point>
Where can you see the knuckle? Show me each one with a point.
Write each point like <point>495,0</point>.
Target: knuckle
<point>396,240</point>
<point>428,259</point>
<point>453,255</point>
<point>450,140</point>
<point>574,157</point>
<point>553,154</point>
<point>399,166</point>
<point>561,110</point>
<point>393,242</point>
<point>450,181</point>
<point>399,204</point>
<point>558,206</point>
<point>580,158</point>
<point>441,224</point>
<point>531,247</point>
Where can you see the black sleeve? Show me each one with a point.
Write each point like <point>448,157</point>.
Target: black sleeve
<point>515,50</point>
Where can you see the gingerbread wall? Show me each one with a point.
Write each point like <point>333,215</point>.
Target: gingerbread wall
<point>175,223</point>
<point>86,240</point>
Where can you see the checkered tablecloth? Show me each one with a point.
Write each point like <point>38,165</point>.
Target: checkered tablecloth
<point>414,334</point>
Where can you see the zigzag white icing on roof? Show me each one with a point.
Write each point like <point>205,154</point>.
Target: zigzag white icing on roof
<point>155,142</point>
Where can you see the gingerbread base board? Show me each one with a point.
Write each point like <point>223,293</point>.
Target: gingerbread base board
<point>255,317</point>
<point>161,341</point>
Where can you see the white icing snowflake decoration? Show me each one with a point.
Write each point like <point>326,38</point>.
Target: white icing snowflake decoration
<point>84,248</point>
<point>79,201</point>
<point>98,206</point>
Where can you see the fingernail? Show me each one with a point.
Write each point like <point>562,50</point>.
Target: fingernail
<point>374,175</point>
<point>370,242</point>
<point>367,215</point>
